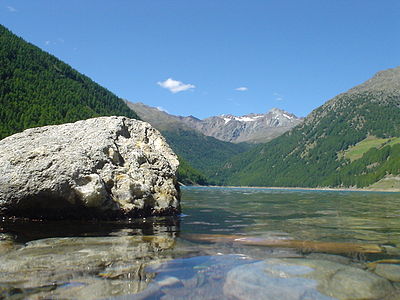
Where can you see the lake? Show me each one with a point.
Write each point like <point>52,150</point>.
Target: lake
<point>229,243</point>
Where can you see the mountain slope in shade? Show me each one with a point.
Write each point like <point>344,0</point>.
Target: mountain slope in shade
<point>311,154</point>
<point>38,89</point>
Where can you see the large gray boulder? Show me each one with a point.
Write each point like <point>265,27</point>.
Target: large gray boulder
<point>102,167</point>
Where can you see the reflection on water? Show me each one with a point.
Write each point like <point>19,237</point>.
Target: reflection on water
<point>280,238</point>
<point>24,230</point>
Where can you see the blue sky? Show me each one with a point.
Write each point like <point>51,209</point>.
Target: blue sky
<point>211,57</point>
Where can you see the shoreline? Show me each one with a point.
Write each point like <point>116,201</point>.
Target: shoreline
<point>329,189</point>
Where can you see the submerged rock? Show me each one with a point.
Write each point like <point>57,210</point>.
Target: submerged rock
<point>305,279</point>
<point>6,243</point>
<point>82,268</point>
<point>270,280</point>
<point>346,282</point>
<point>101,167</point>
<point>389,271</point>
<point>198,277</point>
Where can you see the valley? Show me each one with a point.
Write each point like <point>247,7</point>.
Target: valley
<point>231,150</point>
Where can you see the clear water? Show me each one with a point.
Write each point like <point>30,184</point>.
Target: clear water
<point>190,256</point>
<point>337,216</point>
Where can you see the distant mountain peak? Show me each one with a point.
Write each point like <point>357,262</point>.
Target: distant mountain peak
<point>244,118</point>
<point>276,110</point>
<point>283,113</point>
<point>193,117</point>
<point>253,116</point>
<point>252,127</point>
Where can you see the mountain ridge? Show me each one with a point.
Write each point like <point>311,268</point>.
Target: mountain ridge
<point>251,128</point>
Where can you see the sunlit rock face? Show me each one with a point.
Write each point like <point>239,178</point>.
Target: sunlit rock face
<point>102,167</point>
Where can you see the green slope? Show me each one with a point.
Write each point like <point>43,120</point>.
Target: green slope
<point>311,154</point>
<point>38,89</point>
<point>188,175</point>
<point>374,165</point>
<point>204,153</point>
<point>357,151</point>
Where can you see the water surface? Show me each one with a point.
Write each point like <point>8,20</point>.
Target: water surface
<point>338,216</point>
<point>199,255</point>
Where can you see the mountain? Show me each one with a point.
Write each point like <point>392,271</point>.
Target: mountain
<point>204,153</point>
<point>38,89</point>
<point>253,128</point>
<point>157,117</point>
<point>351,141</point>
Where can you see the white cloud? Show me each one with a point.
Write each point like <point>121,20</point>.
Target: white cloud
<point>11,9</point>
<point>278,97</point>
<point>175,86</point>
<point>241,89</point>
<point>47,43</point>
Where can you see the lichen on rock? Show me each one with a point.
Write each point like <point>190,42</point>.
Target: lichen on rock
<point>100,167</point>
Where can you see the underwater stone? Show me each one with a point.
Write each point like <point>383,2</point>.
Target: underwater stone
<point>389,271</point>
<point>297,278</point>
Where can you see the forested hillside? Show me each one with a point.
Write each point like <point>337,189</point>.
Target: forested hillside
<point>311,154</point>
<point>38,89</point>
<point>205,153</point>
<point>188,175</point>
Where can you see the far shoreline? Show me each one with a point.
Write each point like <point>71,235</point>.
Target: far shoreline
<point>328,189</point>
